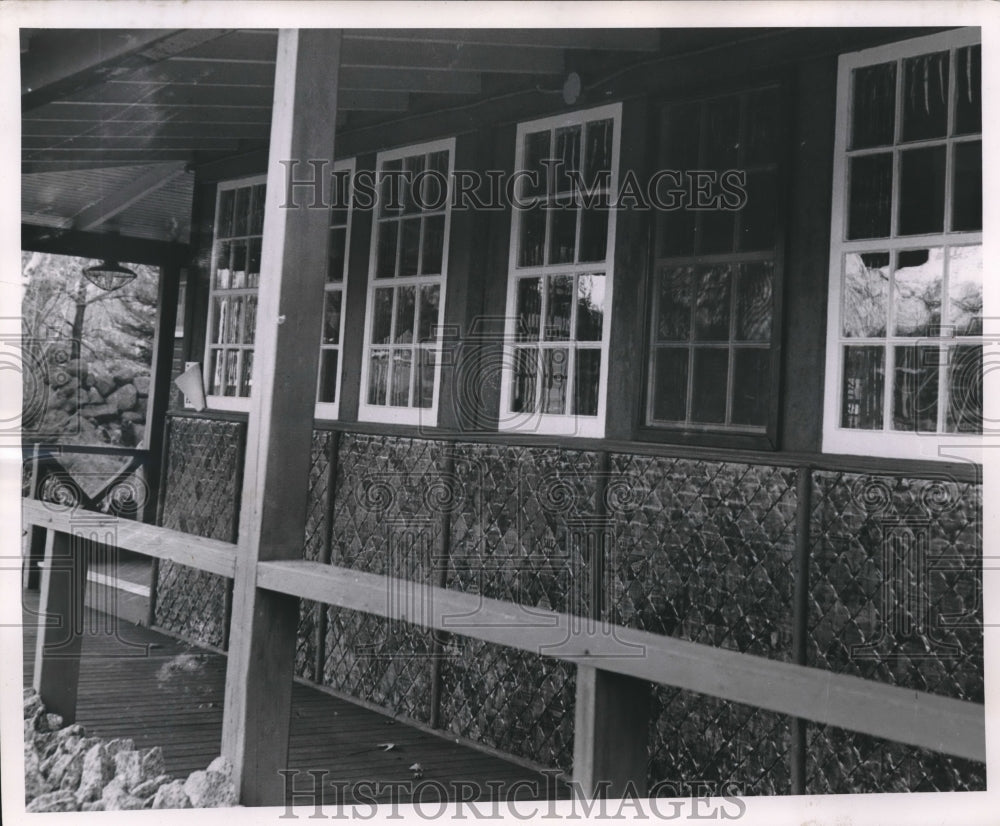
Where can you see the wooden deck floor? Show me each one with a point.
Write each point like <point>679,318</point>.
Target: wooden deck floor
<point>164,692</point>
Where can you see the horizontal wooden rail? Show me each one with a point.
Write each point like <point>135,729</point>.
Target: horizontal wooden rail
<point>917,718</point>
<point>210,555</point>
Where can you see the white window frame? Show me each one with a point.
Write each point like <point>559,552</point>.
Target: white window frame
<point>560,424</point>
<point>216,402</point>
<point>331,410</point>
<point>887,442</point>
<point>395,414</point>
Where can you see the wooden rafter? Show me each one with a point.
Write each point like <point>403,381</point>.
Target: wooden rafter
<point>156,177</point>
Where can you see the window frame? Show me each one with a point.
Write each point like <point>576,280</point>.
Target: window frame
<point>561,424</point>
<point>391,414</point>
<point>331,410</point>
<point>239,404</point>
<point>887,442</point>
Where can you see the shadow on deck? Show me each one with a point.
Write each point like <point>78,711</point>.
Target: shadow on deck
<point>161,691</point>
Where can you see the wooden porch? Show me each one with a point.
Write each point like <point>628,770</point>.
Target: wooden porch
<point>161,691</point>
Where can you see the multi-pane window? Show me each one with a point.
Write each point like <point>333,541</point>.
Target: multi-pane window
<point>406,287</point>
<point>561,268</point>
<point>906,261</point>
<point>715,274</point>
<point>332,334</point>
<point>235,277</point>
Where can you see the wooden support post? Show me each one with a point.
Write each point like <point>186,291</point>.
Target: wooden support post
<point>800,618</point>
<point>326,553</point>
<point>60,623</point>
<point>611,735</point>
<point>36,535</point>
<point>261,655</point>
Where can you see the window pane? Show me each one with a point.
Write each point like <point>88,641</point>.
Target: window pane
<point>921,190</point>
<point>917,292</point>
<point>590,308</point>
<point>402,362</point>
<point>761,127</point>
<point>249,319</point>
<point>598,152</point>
<point>390,190</point>
<point>424,391</point>
<point>711,317</point>
<point>751,385</point>
<point>529,309</point>
<point>406,305</point>
<point>967,194</point>
<point>965,290</point>
<point>560,306</point>
<point>555,374</point>
<point>864,384</point>
<point>869,211</point>
<point>754,301</point>
<point>915,389</point>
<point>234,322</point>
<point>410,247</point>
<point>673,321</point>
<point>239,274</point>
<point>241,214</point>
<point>232,375</point>
<point>676,231</point>
<point>524,379</point>
<point>925,96</point>
<point>331,317</point>
<point>220,316</point>
<point>378,376</point>
<point>328,376</point>
<point>757,218</point>
<point>866,294</point>
<point>336,251</point>
<point>965,390</point>
<point>670,376</point>
<point>585,382</point>
<point>253,263</point>
<point>430,295</point>
<point>223,259</point>
<point>873,106</point>
<point>968,91</point>
<point>682,125</point>
<point>246,373</point>
<point>536,149</point>
<point>227,198</point>
<point>716,231</point>
<point>532,240</point>
<point>382,320</point>
<point>385,266</point>
<point>215,372</point>
<point>721,135</point>
<point>594,234</point>
<point>567,155</point>
<point>412,167</point>
<point>340,197</point>
<point>257,210</point>
<point>708,390</point>
<point>562,241</point>
<point>433,253</point>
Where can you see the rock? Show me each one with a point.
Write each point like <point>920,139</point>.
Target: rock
<point>93,806</point>
<point>99,412</point>
<point>222,765</point>
<point>101,380</point>
<point>66,770</point>
<point>124,398</point>
<point>112,747</point>
<point>140,406</point>
<point>35,783</point>
<point>141,384</point>
<point>32,703</point>
<point>58,801</point>
<point>152,764</point>
<point>116,797</point>
<point>133,416</point>
<point>75,367</point>
<point>139,431</point>
<point>148,788</point>
<point>209,789</point>
<point>124,373</point>
<point>128,768</point>
<point>94,396</point>
<point>75,730</point>
<point>50,722</point>
<point>70,390</point>
<point>97,769</point>
<point>171,796</point>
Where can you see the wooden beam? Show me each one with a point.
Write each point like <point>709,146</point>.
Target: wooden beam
<point>210,555</point>
<point>154,112</point>
<point>100,245</point>
<point>390,80</point>
<point>920,719</point>
<point>60,622</point>
<point>610,734</point>
<point>261,660</point>
<point>147,141</point>
<point>111,130</point>
<point>450,57</point>
<point>638,40</point>
<point>204,72</point>
<point>115,202</point>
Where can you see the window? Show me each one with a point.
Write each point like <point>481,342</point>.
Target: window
<point>906,285</point>
<point>338,252</point>
<point>235,276</point>
<point>554,377</point>
<point>406,285</point>
<point>716,271</point>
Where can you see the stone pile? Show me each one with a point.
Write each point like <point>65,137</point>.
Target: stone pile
<point>67,771</point>
<point>108,403</point>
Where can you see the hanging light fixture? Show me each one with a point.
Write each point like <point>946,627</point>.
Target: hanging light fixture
<point>109,275</point>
